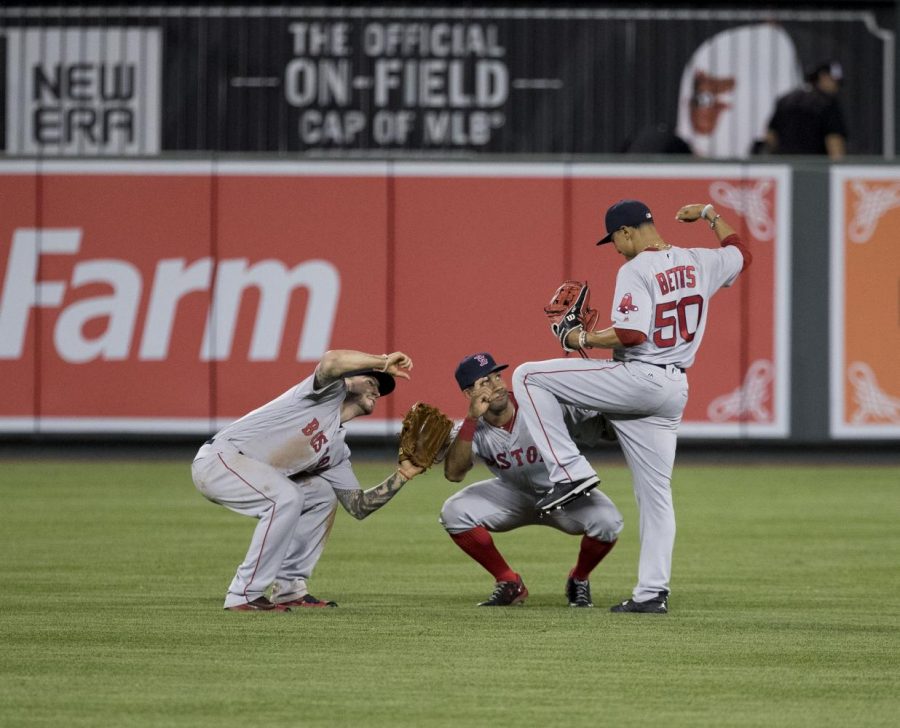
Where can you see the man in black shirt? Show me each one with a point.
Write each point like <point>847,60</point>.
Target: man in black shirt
<point>809,120</point>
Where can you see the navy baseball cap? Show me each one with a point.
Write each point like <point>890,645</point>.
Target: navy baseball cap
<point>625,213</point>
<point>474,367</point>
<point>386,382</point>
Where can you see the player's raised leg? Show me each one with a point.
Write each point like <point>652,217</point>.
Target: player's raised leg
<point>539,388</point>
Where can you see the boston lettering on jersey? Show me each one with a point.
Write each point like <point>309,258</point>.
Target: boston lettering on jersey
<point>517,457</point>
<point>681,276</point>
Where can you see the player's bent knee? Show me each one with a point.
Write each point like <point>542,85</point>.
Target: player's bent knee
<point>605,530</point>
<point>603,535</point>
<point>290,501</point>
<point>523,370</point>
<point>450,518</point>
<point>519,374</point>
<point>454,517</point>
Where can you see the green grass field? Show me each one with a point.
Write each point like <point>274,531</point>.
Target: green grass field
<point>784,610</point>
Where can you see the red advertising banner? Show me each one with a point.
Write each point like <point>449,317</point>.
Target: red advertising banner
<point>865,338</point>
<point>174,297</point>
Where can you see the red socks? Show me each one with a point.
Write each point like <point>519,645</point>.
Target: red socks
<point>592,553</point>
<point>478,544</point>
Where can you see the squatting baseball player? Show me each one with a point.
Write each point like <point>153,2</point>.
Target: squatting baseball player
<point>493,431</point>
<point>659,314</point>
<point>286,464</point>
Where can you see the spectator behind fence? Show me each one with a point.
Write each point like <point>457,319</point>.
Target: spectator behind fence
<point>729,87</point>
<point>809,119</point>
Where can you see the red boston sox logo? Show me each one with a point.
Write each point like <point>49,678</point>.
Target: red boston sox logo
<point>625,305</point>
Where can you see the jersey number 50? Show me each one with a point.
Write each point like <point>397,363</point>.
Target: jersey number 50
<point>672,321</point>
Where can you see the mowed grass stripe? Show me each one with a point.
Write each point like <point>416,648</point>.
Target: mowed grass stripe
<point>784,609</point>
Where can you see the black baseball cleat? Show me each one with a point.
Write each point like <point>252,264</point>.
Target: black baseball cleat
<point>659,605</point>
<point>563,493</point>
<point>506,593</point>
<point>308,600</point>
<point>260,604</point>
<point>578,592</point>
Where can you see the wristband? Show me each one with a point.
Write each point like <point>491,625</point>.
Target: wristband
<point>386,360</point>
<point>705,211</point>
<point>467,431</point>
<point>582,340</point>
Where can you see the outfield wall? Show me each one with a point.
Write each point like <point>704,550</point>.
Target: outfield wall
<point>171,297</point>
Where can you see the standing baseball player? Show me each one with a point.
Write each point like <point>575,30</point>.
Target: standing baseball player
<point>493,431</point>
<point>659,314</point>
<point>286,464</point>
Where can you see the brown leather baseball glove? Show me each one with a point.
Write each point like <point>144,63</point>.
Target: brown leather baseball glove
<point>425,433</point>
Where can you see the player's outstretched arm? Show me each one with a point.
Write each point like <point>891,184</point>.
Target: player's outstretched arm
<point>361,503</point>
<point>337,362</point>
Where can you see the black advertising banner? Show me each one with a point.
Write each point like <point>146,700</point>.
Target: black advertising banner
<point>351,81</point>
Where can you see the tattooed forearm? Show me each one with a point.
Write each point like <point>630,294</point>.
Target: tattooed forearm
<point>360,503</point>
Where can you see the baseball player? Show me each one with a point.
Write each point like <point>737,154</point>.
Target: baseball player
<point>286,464</point>
<point>493,431</point>
<point>659,314</point>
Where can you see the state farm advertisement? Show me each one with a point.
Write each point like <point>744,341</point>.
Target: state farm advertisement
<point>174,297</point>
<point>865,302</point>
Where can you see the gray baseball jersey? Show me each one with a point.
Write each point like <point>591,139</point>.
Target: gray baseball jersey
<point>665,294</point>
<point>298,432</point>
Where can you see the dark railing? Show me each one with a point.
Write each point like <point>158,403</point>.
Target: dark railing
<point>341,81</point>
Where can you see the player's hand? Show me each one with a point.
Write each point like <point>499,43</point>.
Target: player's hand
<point>689,213</point>
<point>479,398</point>
<point>398,364</point>
<point>408,471</point>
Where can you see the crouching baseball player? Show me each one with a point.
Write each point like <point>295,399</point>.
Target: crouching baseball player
<point>287,465</point>
<point>493,431</point>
